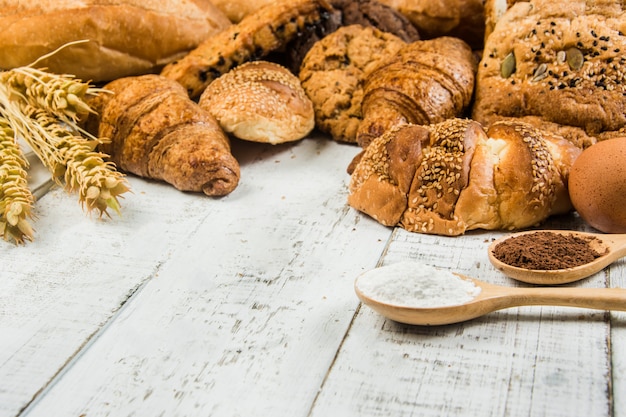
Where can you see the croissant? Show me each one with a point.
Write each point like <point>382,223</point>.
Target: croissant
<point>156,131</point>
<point>426,82</point>
<point>454,176</point>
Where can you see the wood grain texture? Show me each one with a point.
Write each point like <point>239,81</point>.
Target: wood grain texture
<point>616,277</point>
<point>517,362</point>
<point>58,291</point>
<point>245,305</point>
<point>252,304</point>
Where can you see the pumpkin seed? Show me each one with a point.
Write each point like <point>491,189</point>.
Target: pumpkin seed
<point>575,58</point>
<point>540,73</point>
<point>508,65</point>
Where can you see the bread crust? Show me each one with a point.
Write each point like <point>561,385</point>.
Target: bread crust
<point>565,65</point>
<point>464,19</point>
<point>120,38</point>
<point>454,176</point>
<point>260,101</point>
<point>236,10</point>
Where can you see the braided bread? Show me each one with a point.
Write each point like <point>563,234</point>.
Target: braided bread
<point>454,176</point>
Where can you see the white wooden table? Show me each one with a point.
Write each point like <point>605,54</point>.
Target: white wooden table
<point>244,306</point>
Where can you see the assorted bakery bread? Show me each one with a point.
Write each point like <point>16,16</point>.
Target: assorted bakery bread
<point>113,39</point>
<point>467,114</point>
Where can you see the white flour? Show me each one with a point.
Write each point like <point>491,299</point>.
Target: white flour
<point>412,284</point>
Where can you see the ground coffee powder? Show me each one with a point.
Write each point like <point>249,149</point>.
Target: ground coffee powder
<point>546,250</point>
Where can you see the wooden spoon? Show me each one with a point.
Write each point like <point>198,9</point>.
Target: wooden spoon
<point>491,298</point>
<point>613,244</point>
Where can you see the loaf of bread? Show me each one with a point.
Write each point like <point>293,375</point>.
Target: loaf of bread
<point>267,30</point>
<point>494,10</point>
<point>236,10</point>
<point>464,19</point>
<point>565,65</point>
<point>454,176</point>
<point>260,101</point>
<point>426,82</point>
<point>121,38</point>
<point>156,131</point>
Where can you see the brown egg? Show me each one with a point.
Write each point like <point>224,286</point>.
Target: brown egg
<point>597,185</point>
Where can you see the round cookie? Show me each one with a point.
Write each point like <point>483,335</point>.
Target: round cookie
<point>333,73</point>
<point>346,13</point>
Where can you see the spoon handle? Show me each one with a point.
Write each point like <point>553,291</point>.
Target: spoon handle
<point>594,298</point>
<point>617,242</point>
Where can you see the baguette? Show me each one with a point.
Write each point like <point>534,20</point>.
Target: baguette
<point>123,38</point>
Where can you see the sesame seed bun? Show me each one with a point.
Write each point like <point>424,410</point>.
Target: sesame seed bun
<point>454,176</point>
<point>260,101</point>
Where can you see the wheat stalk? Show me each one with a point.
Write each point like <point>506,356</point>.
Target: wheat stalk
<point>72,158</point>
<point>45,110</point>
<point>16,200</point>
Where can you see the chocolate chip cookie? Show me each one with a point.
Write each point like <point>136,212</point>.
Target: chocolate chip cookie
<point>346,13</point>
<point>333,72</point>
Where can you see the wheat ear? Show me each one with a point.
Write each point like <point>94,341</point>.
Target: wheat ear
<point>44,110</point>
<point>72,159</point>
<point>16,200</point>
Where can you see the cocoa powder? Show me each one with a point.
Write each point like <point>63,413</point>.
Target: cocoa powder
<point>546,250</point>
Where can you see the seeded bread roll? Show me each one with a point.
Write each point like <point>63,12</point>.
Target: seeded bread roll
<point>261,102</point>
<point>565,65</point>
<point>129,37</point>
<point>453,176</point>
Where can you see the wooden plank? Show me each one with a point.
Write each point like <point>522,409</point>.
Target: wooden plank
<point>56,292</point>
<point>246,315</point>
<point>617,278</point>
<point>518,362</point>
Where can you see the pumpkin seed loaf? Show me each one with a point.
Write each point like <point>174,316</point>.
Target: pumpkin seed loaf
<point>562,62</point>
